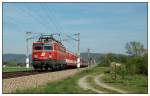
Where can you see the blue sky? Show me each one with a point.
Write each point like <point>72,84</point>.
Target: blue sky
<point>104,27</point>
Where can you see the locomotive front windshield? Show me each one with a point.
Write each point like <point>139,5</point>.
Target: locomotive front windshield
<point>42,47</point>
<point>37,47</point>
<point>47,47</point>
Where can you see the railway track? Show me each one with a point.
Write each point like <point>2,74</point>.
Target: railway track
<point>6,75</point>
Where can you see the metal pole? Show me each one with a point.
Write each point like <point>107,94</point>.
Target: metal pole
<point>115,72</point>
<point>79,45</point>
<point>27,53</point>
<point>94,62</point>
<point>78,59</point>
<point>89,63</point>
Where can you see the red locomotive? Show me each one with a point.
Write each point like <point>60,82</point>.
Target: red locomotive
<point>48,53</point>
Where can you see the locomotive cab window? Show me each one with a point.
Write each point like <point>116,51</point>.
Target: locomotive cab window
<point>37,47</point>
<point>47,47</point>
<point>42,47</point>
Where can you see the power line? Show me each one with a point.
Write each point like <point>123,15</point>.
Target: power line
<point>55,22</point>
<point>34,17</point>
<point>50,18</point>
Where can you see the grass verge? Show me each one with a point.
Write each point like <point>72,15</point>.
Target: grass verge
<point>14,69</point>
<point>68,85</point>
<point>133,84</point>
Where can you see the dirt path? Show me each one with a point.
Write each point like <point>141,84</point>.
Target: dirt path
<point>98,81</point>
<point>85,85</point>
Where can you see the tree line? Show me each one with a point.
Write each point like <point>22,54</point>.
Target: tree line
<point>135,62</point>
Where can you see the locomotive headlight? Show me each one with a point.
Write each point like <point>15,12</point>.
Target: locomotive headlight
<point>50,56</point>
<point>35,56</point>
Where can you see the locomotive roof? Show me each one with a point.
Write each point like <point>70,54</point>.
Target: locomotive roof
<point>46,38</point>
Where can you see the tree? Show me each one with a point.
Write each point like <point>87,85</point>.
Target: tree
<point>104,61</point>
<point>135,48</point>
<point>138,65</point>
<point>111,57</point>
<point>107,59</point>
<point>144,68</point>
<point>134,65</point>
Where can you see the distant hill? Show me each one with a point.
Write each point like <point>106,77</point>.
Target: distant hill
<point>95,56</point>
<point>20,58</point>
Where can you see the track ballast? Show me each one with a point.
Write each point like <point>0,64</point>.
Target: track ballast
<point>7,75</point>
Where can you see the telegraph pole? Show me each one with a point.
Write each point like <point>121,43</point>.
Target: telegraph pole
<point>79,45</point>
<point>94,62</point>
<point>89,63</point>
<point>78,49</point>
<point>78,40</point>
<point>27,46</point>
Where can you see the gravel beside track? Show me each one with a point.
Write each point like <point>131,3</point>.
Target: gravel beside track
<point>12,84</point>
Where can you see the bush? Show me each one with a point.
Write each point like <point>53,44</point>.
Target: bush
<point>108,58</point>
<point>137,65</point>
<point>144,67</point>
<point>118,70</point>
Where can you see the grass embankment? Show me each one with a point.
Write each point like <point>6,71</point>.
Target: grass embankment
<point>133,84</point>
<point>14,69</point>
<point>68,85</point>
